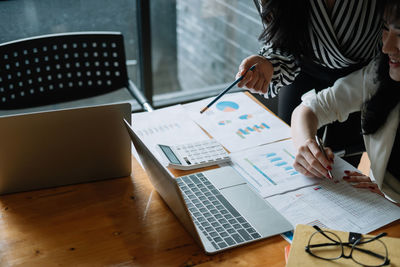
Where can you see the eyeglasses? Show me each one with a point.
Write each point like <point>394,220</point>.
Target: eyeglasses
<point>364,251</point>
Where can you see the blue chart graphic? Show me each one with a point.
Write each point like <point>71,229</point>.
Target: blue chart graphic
<point>279,162</point>
<point>227,106</point>
<point>224,122</point>
<point>248,130</point>
<point>261,172</point>
<point>245,116</point>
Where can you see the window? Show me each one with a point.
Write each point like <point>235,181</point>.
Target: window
<point>196,46</point>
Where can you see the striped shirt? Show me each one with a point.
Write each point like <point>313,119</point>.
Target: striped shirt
<point>347,35</point>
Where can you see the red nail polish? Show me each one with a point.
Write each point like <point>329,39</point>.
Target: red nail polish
<point>346,172</point>
<point>346,177</point>
<point>329,168</point>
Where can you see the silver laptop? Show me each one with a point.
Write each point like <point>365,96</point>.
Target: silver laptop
<point>54,148</point>
<point>217,207</point>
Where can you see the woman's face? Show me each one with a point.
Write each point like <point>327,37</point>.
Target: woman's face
<point>391,47</point>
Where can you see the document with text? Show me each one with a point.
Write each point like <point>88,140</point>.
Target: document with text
<point>169,126</point>
<point>334,204</point>
<point>337,206</point>
<point>269,168</point>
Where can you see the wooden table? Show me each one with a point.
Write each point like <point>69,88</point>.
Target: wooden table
<point>118,222</point>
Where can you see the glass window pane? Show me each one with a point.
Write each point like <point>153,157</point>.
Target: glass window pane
<point>198,45</point>
<point>29,18</point>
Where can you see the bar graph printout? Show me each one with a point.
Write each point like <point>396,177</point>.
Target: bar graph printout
<point>327,203</point>
<point>238,122</point>
<point>269,169</point>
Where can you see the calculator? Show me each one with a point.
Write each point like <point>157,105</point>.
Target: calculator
<point>194,155</point>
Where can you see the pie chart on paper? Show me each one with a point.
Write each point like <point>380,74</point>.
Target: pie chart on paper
<point>227,106</point>
<point>245,117</point>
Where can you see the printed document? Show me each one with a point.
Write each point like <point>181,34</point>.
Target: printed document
<point>263,156</point>
<point>337,206</point>
<point>328,203</point>
<point>269,168</point>
<point>237,122</point>
<point>169,126</point>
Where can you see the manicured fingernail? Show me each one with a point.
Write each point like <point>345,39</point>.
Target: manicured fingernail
<point>346,172</point>
<point>329,168</point>
<point>371,187</point>
<point>346,177</point>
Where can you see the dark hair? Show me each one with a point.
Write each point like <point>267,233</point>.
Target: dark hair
<point>377,108</point>
<point>286,25</point>
<point>391,10</point>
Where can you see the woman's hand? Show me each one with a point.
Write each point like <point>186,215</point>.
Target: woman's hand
<point>360,180</point>
<point>256,81</point>
<point>311,162</point>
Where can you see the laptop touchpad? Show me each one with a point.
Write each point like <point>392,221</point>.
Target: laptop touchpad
<point>224,177</point>
<point>265,219</point>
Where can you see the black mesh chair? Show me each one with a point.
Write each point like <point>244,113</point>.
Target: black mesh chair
<point>56,68</point>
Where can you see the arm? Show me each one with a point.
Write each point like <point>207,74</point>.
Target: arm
<point>274,70</point>
<point>309,161</point>
<point>285,69</point>
<point>331,104</point>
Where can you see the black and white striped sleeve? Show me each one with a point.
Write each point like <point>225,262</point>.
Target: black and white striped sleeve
<point>285,69</point>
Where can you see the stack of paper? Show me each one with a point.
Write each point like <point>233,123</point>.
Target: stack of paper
<point>255,138</point>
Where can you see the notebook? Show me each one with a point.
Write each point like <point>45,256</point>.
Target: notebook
<point>217,207</point>
<point>54,148</point>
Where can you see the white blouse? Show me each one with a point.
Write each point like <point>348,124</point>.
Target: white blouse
<point>347,95</point>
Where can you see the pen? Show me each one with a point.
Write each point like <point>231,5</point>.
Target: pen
<point>226,90</point>
<point>322,148</point>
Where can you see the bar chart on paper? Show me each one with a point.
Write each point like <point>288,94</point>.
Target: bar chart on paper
<point>238,122</point>
<point>269,168</point>
<point>243,132</point>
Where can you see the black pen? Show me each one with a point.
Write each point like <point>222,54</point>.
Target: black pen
<point>226,90</point>
<point>322,148</point>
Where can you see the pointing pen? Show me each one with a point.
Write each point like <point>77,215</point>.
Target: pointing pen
<point>226,90</point>
<point>322,148</point>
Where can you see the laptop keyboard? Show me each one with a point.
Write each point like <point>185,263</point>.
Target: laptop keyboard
<point>218,220</point>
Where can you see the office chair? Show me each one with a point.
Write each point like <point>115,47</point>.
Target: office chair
<point>63,67</point>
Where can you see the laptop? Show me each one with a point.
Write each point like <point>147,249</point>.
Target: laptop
<point>217,207</point>
<point>54,148</point>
